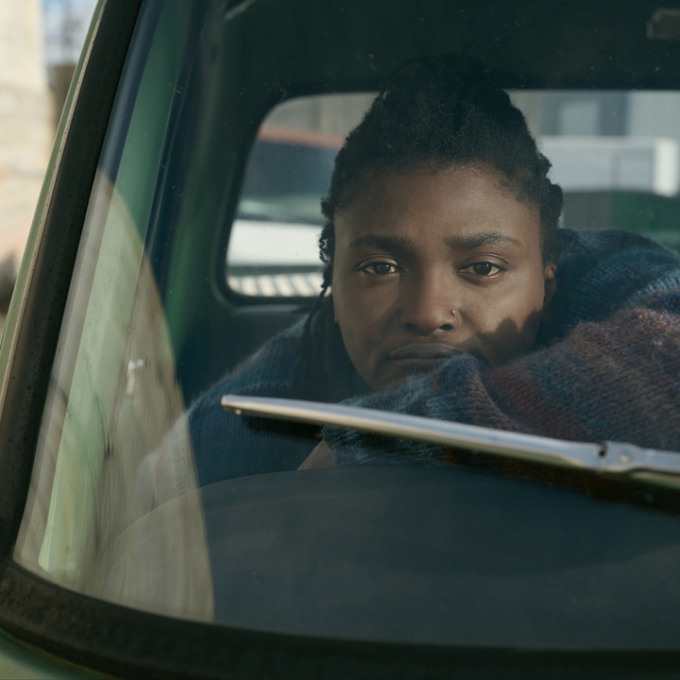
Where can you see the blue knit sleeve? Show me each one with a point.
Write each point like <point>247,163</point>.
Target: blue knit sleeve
<point>226,445</point>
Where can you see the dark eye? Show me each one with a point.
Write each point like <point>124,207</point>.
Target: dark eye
<point>380,268</point>
<point>484,268</point>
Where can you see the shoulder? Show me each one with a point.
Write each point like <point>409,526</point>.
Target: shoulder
<point>602,272</point>
<point>223,444</point>
<point>268,372</point>
<point>276,355</point>
<point>607,245</point>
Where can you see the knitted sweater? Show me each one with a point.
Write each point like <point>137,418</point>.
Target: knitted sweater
<point>606,366</point>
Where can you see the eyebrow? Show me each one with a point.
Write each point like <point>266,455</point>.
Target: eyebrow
<point>487,238</point>
<point>399,244</point>
<point>390,243</point>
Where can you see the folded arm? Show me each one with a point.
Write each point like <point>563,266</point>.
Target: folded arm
<point>612,380</point>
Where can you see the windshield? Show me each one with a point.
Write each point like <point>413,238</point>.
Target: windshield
<point>465,259</point>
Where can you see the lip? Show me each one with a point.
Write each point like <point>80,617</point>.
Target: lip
<point>423,352</point>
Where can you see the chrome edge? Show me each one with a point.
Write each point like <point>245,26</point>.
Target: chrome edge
<point>479,439</point>
<point>614,458</point>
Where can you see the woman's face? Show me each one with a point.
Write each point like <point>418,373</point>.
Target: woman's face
<point>431,264</point>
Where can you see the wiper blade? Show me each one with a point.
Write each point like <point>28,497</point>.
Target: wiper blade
<point>613,458</point>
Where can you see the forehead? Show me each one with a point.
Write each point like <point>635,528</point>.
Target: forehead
<point>438,203</point>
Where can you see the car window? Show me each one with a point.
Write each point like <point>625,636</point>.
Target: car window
<point>273,246</point>
<point>199,279</point>
<point>615,155</point>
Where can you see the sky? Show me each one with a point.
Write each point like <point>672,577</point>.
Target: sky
<point>65,24</point>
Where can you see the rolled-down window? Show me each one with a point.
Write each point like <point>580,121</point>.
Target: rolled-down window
<point>364,337</point>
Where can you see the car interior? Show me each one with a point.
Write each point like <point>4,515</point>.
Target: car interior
<point>229,243</point>
<point>213,326</point>
<point>580,91</point>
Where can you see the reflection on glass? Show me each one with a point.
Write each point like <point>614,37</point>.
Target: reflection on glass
<point>452,285</point>
<point>96,518</point>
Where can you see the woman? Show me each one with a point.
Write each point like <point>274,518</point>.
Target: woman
<point>450,298</point>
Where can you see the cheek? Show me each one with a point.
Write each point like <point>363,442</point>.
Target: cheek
<point>506,324</point>
<point>351,314</point>
<point>355,316</point>
<point>365,311</point>
<point>362,315</point>
<point>353,308</point>
<point>518,306</point>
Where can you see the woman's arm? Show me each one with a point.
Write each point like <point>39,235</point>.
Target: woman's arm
<point>226,445</point>
<point>617,379</point>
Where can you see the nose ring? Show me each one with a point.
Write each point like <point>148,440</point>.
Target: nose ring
<point>460,321</point>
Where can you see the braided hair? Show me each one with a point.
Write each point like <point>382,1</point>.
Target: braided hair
<point>431,114</point>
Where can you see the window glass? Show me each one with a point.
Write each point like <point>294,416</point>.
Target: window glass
<point>615,155</point>
<point>497,256</point>
<point>273,247</point>
<point>113,394</point>
<point>611,152</point>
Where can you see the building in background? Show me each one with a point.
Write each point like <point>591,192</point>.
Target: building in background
<point>40,42</point>
<point>65,27</point>
<point>26,129</point>
<point>608,140</point>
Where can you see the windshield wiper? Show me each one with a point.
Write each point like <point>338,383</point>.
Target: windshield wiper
<point>611,458</point>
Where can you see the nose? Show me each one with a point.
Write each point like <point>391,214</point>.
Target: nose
<point>428,304</point>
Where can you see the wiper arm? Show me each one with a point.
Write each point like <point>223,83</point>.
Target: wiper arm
<point>649,465</point>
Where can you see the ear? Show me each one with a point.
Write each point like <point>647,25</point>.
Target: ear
<point>549,285</point>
